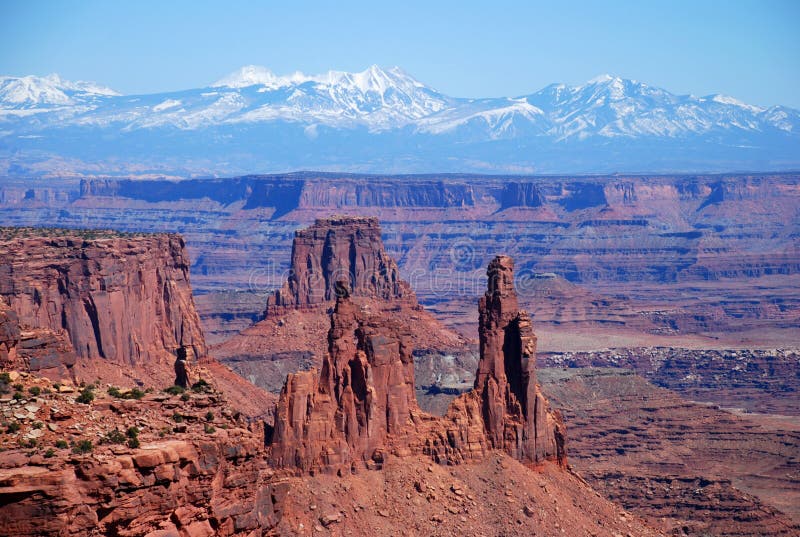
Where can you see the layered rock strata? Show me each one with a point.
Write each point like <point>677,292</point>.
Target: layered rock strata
<point>88,305</point>
<point>361,405</point>
<point>122,299</point>
<point>334,249</point>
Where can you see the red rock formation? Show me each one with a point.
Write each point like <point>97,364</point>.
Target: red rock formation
<point>363,394</point>
<point>125,300</point>
<point>515,412</point>
<point>103,305</point>
<point>340,248</point>
<point>362,404</point>
<point>9,336</point>
<point>293,333</point>
<point>186,479</point>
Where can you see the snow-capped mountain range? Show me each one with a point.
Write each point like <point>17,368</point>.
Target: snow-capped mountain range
<point>385,120</point>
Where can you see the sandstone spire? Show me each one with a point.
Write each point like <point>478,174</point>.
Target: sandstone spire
<point>364,393</point>
<point>515,413</point>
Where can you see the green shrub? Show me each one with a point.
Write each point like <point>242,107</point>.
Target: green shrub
<point>13,427</point>
<point>19,387</point>
<point>113,391</point>
<point>175,390</point>
<point>132,432</point>
<point>56,386</point>
<point>86,396</point>
<point>135,393</point>
<point>201,386</point>
<point>83,446</point>
<point>209,416</point>
<point>209,429</point>
<point>38,424</point>
<point>177,418</point>
<point>133,443</point>
<point>34,390</point>
<point>114,437</point>
<point>184,397</point>
<point>49,453</point>
<point>18,396</point>
<point>62,444</point>
<point>5,377</point>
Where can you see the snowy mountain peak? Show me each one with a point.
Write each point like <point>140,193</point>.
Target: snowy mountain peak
<point>602,79</point>
<point>725,99</point>
<point>373,78</point>
<point>248,75</point>
<point>47,90</point>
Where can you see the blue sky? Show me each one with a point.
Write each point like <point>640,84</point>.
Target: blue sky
<point>747,49</point>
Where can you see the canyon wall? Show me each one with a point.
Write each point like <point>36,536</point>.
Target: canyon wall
<point>101,305</point>
<point>654,250</point>
<point>121,300</point>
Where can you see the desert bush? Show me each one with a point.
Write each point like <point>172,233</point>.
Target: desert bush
<point>201,386</point>
<point>82,446</point>
<point>175,390</point>
<point>114,437</point>
<point>86,396</point>
<point>34,390</point>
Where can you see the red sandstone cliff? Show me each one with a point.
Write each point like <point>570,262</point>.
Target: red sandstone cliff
<point>125,300</point>
<point>361,406</point>
<point>88,305</point>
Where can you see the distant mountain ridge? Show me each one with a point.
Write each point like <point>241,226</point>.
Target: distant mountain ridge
<point>383,120</point>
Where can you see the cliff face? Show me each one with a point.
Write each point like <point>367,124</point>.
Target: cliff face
<point>88,305</point>
<point>123,300</point>
<point>333,249</point>
<point>361,406</point>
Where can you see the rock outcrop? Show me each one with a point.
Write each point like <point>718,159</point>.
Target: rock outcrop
<point>102,298</point>
<point>363,394</point>
<point>514,409</point>
<point>89,305</point>
<point>158,465</point>
<point>9,336</point>
<point>339,248</point>
<point>292,335</point>
<point>361,405</point>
